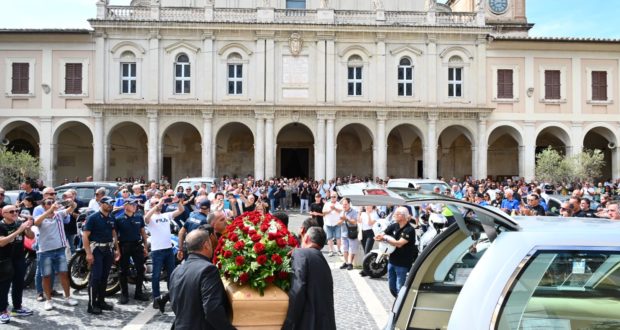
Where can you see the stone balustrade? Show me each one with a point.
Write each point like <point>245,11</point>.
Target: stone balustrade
<point>287,16</point>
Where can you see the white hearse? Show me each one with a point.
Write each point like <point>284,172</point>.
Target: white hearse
<point>492,271</point>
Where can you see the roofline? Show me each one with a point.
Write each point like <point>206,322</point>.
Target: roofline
<point>46,31</point>
<point>553,39</point>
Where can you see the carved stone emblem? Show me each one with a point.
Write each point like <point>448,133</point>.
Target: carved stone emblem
<point>295,43</point>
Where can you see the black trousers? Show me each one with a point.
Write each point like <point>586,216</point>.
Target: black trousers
<point>368,240</point>
<point>135,251</point>
<point>99,275</point>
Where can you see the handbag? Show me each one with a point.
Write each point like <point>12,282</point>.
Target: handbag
<point>352,231</point>
<point>6,270</point>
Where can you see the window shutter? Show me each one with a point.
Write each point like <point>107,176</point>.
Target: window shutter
<point>20,78</point>
<point>552,85</point>
<point>504,84</point>
<point>73,78</point>
<point>599,85</point>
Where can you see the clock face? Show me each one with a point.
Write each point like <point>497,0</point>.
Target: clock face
<point>498,6</point>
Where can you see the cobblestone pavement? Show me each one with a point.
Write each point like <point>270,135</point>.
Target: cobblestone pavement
<point>350,307</point>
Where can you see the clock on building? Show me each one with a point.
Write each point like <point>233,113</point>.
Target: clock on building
<point>498,6</point>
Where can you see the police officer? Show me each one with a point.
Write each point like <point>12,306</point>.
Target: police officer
<point>132,238</point>
<point>195,220</point>
<point>99,238</point>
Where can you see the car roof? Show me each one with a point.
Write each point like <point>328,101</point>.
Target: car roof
<point>90,184</point>
<point>564,224</point>
<point>418,180</point>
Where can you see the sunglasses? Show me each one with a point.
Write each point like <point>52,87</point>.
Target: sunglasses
<point>49,202</point>
<point>51,193</point>
<point>11,211</point>
<point>564,209</point>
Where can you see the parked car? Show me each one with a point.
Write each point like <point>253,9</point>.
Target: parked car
<point>86,190</point>
<point>492,271</point>
<point>418,184</point>
<point>191,182</point>
<point>10,196</point>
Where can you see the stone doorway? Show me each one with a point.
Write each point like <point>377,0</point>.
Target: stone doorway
<point>295,162</point>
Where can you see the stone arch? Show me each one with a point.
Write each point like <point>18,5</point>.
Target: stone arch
<point>12,123</point>
<point>181,150</point>
<point>355,50</point>
<point>555,135</point>
<point>168,125</point>
<point>73,140</point>
<point>354,151</point>
<point>503,151</point>
<point>22,134</point>
<point>126,150</point>
<point>295,151</point>
<point>405,152</point>
<point>601,136</point>
<point>234,150</point>
<point>454,152</point>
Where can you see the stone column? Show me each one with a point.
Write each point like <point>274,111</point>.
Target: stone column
<point>207,150</point>
<point>320,72</point>
<point>259,70</point>
<point>576,138</point>
<point>153,76</point>
<point>379,90</point>
<point>330,147</point>
<point>431,149</point>
<point>482,146</point>
<point>330,72</point>
<point>432,71</point>
<point>381,145</point>
<point>474,161</point>
<point>529,152</point>
<point>259,148</point>
<point>45,152</point>
<point>319,149</point>
<point>98,142</point>
<point>269,147</point>
<point>100,72</point>
<point>153,144</point>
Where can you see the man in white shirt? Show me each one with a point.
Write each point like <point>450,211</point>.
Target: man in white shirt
<point>331,218</point>
<point>93,204</point>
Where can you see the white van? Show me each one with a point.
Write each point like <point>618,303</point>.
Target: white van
<point>191,182</point>
<point>418,184</point>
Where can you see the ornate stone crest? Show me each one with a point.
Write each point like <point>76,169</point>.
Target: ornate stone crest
<point>295,43</point>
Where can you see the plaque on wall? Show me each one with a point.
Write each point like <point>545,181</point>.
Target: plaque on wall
<point>295,93</point>
<point>295,70</point>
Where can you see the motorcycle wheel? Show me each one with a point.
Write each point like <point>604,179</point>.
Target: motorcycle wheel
<point>373,269</point>
<point>114,284</point>
<point>78,271</point>
<point>31,269</point>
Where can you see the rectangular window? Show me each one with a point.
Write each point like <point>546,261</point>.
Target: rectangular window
<point>564,290</point>
<point>235,79</point>
<point>455,82</point>
<point>405,81</point>
<point>504,84</point>
<point>599,85</point>
<point>128,78</point>
<point>296,4</point>
<point>182,78</point>
<point>552,85</point>
<point>20,78</point>
<point>354,85</point>
<point>73,78</point>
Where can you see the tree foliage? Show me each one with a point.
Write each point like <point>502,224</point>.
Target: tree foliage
<point>553,167</point>
<point>15,166</point>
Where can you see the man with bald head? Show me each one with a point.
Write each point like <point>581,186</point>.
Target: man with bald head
<point>210,309</point>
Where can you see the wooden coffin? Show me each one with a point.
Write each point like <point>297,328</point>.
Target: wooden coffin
<point>253,311</point>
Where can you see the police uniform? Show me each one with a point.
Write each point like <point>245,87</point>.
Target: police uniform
<point>101,244</point>
<point>129,231</point>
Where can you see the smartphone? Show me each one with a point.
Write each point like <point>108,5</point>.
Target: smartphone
<point>168,200</point>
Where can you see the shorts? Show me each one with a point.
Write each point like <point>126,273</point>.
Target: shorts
<point>350,245</point>
<point>53,259</point>
<point>332,232</point>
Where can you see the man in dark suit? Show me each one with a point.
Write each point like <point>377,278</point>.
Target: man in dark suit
<point>210,309</point>
<point>311,297</point>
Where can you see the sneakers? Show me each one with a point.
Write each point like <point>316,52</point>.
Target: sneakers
<point>48,305</point>
<point>5,317</point>
<point>94,310</point>
<point>349,266</point>
<point>340,253</point>
<point>331,254</point>
<point>70,301</point>
<point>56,293</point>
<point>344,266</point>
<point>40,297</point>
<point>22,312</point>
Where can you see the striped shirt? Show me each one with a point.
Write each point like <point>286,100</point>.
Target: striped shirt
<point>51,230</point>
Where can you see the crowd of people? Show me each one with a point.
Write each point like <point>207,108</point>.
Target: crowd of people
<point>117,226</point>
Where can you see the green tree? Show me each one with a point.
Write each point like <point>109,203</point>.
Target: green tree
<point>553,167</point>
<point>15,166</point>
<point>588,165</point>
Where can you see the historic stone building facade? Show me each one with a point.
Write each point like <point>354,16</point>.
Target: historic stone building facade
<point>305,88</point>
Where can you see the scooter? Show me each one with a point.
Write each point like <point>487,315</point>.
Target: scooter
<point>375,262</point>
<point>435,224</point>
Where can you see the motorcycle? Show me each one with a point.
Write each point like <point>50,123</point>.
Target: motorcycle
<point>375,262</point>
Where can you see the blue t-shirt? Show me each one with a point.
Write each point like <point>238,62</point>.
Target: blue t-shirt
<point>117,203</point>
<point>195,220</point>
<point>128,228</point>
<point>510,205</point>
<point>36,196</point>
<point>100,227</point>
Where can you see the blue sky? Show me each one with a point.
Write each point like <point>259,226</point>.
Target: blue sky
<point>553,18</point>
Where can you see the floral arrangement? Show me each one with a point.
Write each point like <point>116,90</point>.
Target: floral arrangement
<point>255,250</point>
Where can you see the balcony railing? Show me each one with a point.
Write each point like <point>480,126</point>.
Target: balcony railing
<point>287,16</point>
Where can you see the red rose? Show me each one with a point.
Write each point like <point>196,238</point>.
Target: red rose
<point>252,231</point>
<point>245,229</point>
<point>283,275</point>
<point>239,245</point>
<point>233,237</point>
<point>219,266</point>
<point>227,254</point>
<point>255,238</point>
<point>276,258</point>
<point>264,227</point>
<point>239,260</point>
<point>272,236</point>
<point>244,278</point>
<point>270,279</point>
<point>259,248</point>
<point>261,259</point>
<point>292,242</point>
<point>255,220</point>
<point>281,242</point>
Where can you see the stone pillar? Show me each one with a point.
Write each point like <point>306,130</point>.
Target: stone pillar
<point>259,148</point>
<point>204,86</point>
<point>270,160</point>
<point>330,68</point>
<point>529,153</point>
<point>431,149</point>
<point>474,161</point>
<point>319,149</point>
<point>45,152</point>
<point>432,71</point>
<point>381,144</point>
<point>482,146</point>
<point>380,74</point>
<point>207,137</point>
<point>100,72</point>
<point>330,147</point>
<point>576,138</point>
<point>152,92</point>
<point>153,144</point>
<point>270,68</point>
<point>320,73</point>
<point>259,70</point>
<point>98,142</point>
